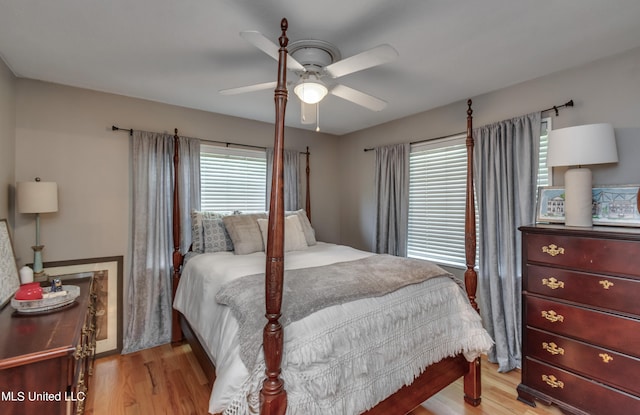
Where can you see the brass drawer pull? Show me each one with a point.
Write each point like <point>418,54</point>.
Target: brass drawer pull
<point>605,357</point>
<point>606,284</point>
<point>552,316</point>
<point>78,352</point>
<point>553,381</point>
<point>552,348</point>
<point>552,283</point>
<point>553,250</point>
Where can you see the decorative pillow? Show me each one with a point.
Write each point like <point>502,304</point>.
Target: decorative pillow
<point>216,237</point>
<point>245,232</point>
<point>294,239</point>
<point>197,229</point>
<point>309,232</point>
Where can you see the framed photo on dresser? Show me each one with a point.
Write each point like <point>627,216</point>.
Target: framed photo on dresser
<point>9,279</point>
<point>612,205</point>
<point>107,279</point>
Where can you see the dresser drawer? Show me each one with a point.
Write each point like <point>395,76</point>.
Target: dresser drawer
<point>612,368</point>
<point>618,333</point>
<point>589,396</point>
<point>589,254</point>
<point>617,294</point>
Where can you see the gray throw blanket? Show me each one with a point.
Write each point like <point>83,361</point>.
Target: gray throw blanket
<point>308,290</point>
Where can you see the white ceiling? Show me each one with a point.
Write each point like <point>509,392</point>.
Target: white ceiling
<point>184,52</point>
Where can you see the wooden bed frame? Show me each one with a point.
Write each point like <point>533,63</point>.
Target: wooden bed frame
<point>273,394</point>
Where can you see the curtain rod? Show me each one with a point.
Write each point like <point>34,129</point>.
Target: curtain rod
<point>554,108</point>
<point>226,143</point>
<point>114,128</point>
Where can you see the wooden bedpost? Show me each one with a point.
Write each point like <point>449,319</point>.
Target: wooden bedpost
<point>472,387</point>
<point>308,195</point>
<point>176,333</point>
<point>273,396</point>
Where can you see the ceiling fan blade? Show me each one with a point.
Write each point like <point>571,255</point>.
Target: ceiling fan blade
<point>249,88</point>
<point>260,41</point>
<point>357,97</point>
<point>367,59</point>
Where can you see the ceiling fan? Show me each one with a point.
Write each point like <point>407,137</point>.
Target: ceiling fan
<point>316,64</point>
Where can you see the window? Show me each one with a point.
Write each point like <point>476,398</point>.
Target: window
<point>232,179</point>
<point>544,172</point>
<point>437,193</point>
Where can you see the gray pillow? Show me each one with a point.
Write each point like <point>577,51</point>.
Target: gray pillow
<point>216,237</point>
<point>245,232</point>
<point>197,229</point>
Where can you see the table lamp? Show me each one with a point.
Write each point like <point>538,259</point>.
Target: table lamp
<point>580,146</point>
<point>37,197</point>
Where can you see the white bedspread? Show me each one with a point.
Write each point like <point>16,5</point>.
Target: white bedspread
<point>341,360</point>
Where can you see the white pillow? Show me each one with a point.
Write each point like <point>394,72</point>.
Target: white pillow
<point>294,239</point>
<point>309,232</point>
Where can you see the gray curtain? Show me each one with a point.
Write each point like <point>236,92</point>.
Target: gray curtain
<point>506,168</point>
<point>392,199</point>
<point>291,180</point>
<point>149,293</point>
<point>189,182</point>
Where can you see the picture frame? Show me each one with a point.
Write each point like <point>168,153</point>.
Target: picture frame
<point>9,278</point>
<point>550,204</point>
<point>107,274</point>
<point>613,205</point>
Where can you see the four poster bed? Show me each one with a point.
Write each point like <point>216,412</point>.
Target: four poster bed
<point>368,351</point>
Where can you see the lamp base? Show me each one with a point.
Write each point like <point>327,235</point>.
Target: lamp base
<point>578,202</point>
<point>38,271</point>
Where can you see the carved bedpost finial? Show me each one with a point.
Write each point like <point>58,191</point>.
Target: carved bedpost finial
<point>284,25</point>
<point>469,110</point>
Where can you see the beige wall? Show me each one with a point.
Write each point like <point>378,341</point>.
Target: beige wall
<point>7,141</point>
<point>63,134</point>
<point>603,91</point>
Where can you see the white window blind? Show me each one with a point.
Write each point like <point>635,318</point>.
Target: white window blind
<point>437,191</point>
<point>544,173</point>
<point>232,179</point>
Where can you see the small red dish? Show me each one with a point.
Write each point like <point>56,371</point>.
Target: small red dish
<point>30,291</point>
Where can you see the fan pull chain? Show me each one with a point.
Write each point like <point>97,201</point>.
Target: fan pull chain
<point>318,117</point>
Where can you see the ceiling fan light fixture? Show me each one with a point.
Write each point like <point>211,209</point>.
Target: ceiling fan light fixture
<point>310,90</point>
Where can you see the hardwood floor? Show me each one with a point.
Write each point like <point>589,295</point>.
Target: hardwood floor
<point>168,380</point>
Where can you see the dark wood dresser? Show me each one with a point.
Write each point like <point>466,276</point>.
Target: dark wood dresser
<point>581,319</point>
<point>45,360</point>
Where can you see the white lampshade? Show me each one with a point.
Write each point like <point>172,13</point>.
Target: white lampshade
<point>37,197</point>
<point>582,145</point>
<point>311,89</point>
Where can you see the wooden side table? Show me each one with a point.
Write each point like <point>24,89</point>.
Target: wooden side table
<point>45,359</point>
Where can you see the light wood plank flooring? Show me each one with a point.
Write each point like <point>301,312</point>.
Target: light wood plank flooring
<point>168,380</point>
